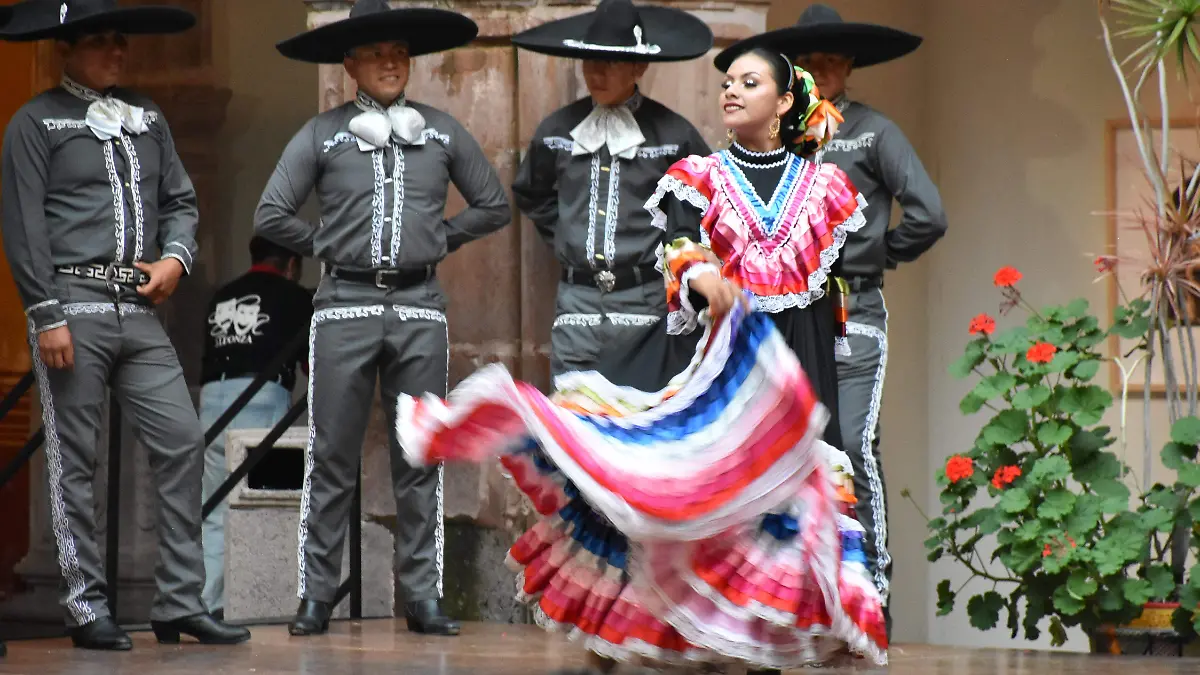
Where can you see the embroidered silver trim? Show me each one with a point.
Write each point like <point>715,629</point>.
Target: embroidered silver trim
<point>841,346</point>
<point>430,132</point>
<point>593,204</point>
<point>558,143</point>
<point>40,305</point>
<point>78,90</point>
<point>638,48</point>
<point>407,313</point>
<point>377,206</point>
<point>125,308</point>
<point>682,192</point>
<point>404,312</point>
<point>60,124</point>
<point>338,139</point>
<point>68,556</point>
<point>878,495</point>
<point>439,532</point>
<point>135,195</point>
<point>397,203</point>
<point>612,211</point>
<point>859,142</point>
<point>187,264</point>
<point>619,319</point>
<point>309,463</point>
<point>752,165</point>
<point>114,181</point>
<point>591,320</point>
<point>658,151</point>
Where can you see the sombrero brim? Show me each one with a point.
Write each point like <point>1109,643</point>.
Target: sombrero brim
<point>678,35</point>
<point>41,22</point>
<point>868,44</point>
<point>424,29</point>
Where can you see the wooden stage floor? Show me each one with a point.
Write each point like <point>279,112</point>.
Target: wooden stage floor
<point>384,646</point>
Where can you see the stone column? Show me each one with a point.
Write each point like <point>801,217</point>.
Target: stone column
<point>502,288</point>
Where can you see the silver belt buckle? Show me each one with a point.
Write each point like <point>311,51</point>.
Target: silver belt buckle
<point>606,280</point>
<point>379,275</point>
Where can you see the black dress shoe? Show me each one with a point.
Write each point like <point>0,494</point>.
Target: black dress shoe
<point>219,614</point>
<point>312,618</point>
<point>103,633</point>
<point>203,627</point>
<point>764,671</point>
<point>426,617</point>
<point>3,649</point>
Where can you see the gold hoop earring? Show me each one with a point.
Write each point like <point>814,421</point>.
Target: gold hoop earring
<point>774,131</point>
<point>730,134</point>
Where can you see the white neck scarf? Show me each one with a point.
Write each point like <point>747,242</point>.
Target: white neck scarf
<point>611,125</point>
<point>108,116</point>
<point>375,127</point>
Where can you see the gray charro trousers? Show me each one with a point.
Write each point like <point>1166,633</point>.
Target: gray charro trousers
<point>860,392</point>
<point>586,321</point>
<point>123,346</point>
<point>361,333</point>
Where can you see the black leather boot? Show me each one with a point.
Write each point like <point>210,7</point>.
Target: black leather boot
<point>764,671</point>
<point>103,633</point>
<point>203,627</point>
<point>426,617</point>
<point>312,618</point>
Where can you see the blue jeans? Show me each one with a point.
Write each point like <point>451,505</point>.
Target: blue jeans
<point>262,412</point>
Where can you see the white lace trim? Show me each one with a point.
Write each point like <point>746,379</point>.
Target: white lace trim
<point>684,320</point>
<point>682,192</point>
<point>618,319</point>
<point>404,312</point>
<point>841,346</point>
<point>878,495</point>
<point>125,308</point>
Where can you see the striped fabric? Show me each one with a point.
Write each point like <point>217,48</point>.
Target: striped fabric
<point>700,523</point>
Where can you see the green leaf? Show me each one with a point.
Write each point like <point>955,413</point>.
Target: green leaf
<point>984,610</point>
<point>1057,562</point>
<point>988,520</point>
<point>1048,470</point>
<point>1064,360</point>
<point>1163,498</point>
<point>993,386</point>
<point>1174,456</point>
<point>1085,370</point>
<point>1100,466</point>
<point>936,523</point>
<point>1056,504</point>
<point>1186,431</point>
<point>971,404</point>
<point>1111,599</point>
<point>1080,585</point>
<point>1052,433</point>
<point>1086,515</point>
<point>945,598</point>
<point>1114,493</point>
<point>1137,591</point>
<point>1012,341</point>
<point>1161,520</point>
<point>1006,428</point>
<point>975,354</point>
<point>1014,500</point>
<point>1058,634</point>
<point>1194,512</point>
<point>1021,557</point>
<point>1189,475</point>
<point>1032,397</point>
<point>1030,530</point>
<point>1077,308</point>
<point>1162,580</point>
<point>1066,603</point>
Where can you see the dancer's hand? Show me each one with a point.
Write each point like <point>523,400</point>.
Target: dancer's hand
<point>720,293</point>
<point>164,277</point>
<point>56,348</point>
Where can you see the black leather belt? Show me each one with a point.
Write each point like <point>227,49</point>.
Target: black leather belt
<point>858,284</point>
<point>111,273</point>
<point>609,281</point>
<point>388,278</point>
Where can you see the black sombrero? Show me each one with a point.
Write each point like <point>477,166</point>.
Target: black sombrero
<point>425,30</point>
<point>51,19</point>
<point>619,31</point>
<point>821,29</point>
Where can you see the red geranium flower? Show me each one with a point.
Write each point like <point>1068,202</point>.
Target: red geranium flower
<point>1042,352</point>
<point>1005,475</point>
<point>1006,277</point>
<point>1105,263</point>
<point>983,325</point>
<point>959,467</point>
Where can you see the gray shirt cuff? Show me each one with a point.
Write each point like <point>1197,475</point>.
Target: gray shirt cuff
<point>46,315</point>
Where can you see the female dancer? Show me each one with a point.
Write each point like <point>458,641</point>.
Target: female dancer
<point>696,518</point>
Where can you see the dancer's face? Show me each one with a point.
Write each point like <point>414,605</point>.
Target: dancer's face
<point>750,98</point>
<point>612,82</point>
<point>381,70</point>
<point>95,60</point>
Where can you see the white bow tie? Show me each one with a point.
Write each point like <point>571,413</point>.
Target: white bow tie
<point>613,126</point>
<point>375,127</point>
<point>108,116</point>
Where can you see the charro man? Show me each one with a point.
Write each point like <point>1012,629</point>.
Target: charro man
<point>592,165</point>
<point>381,167</point>
<point>99,225</point>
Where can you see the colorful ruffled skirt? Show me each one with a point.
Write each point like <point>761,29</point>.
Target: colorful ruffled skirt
<point>704,523</point>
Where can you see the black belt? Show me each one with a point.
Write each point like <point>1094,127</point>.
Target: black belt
<point>858,284</point>
<point>389,278</point>
<point>111,273</point>
<point>609,281</point>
